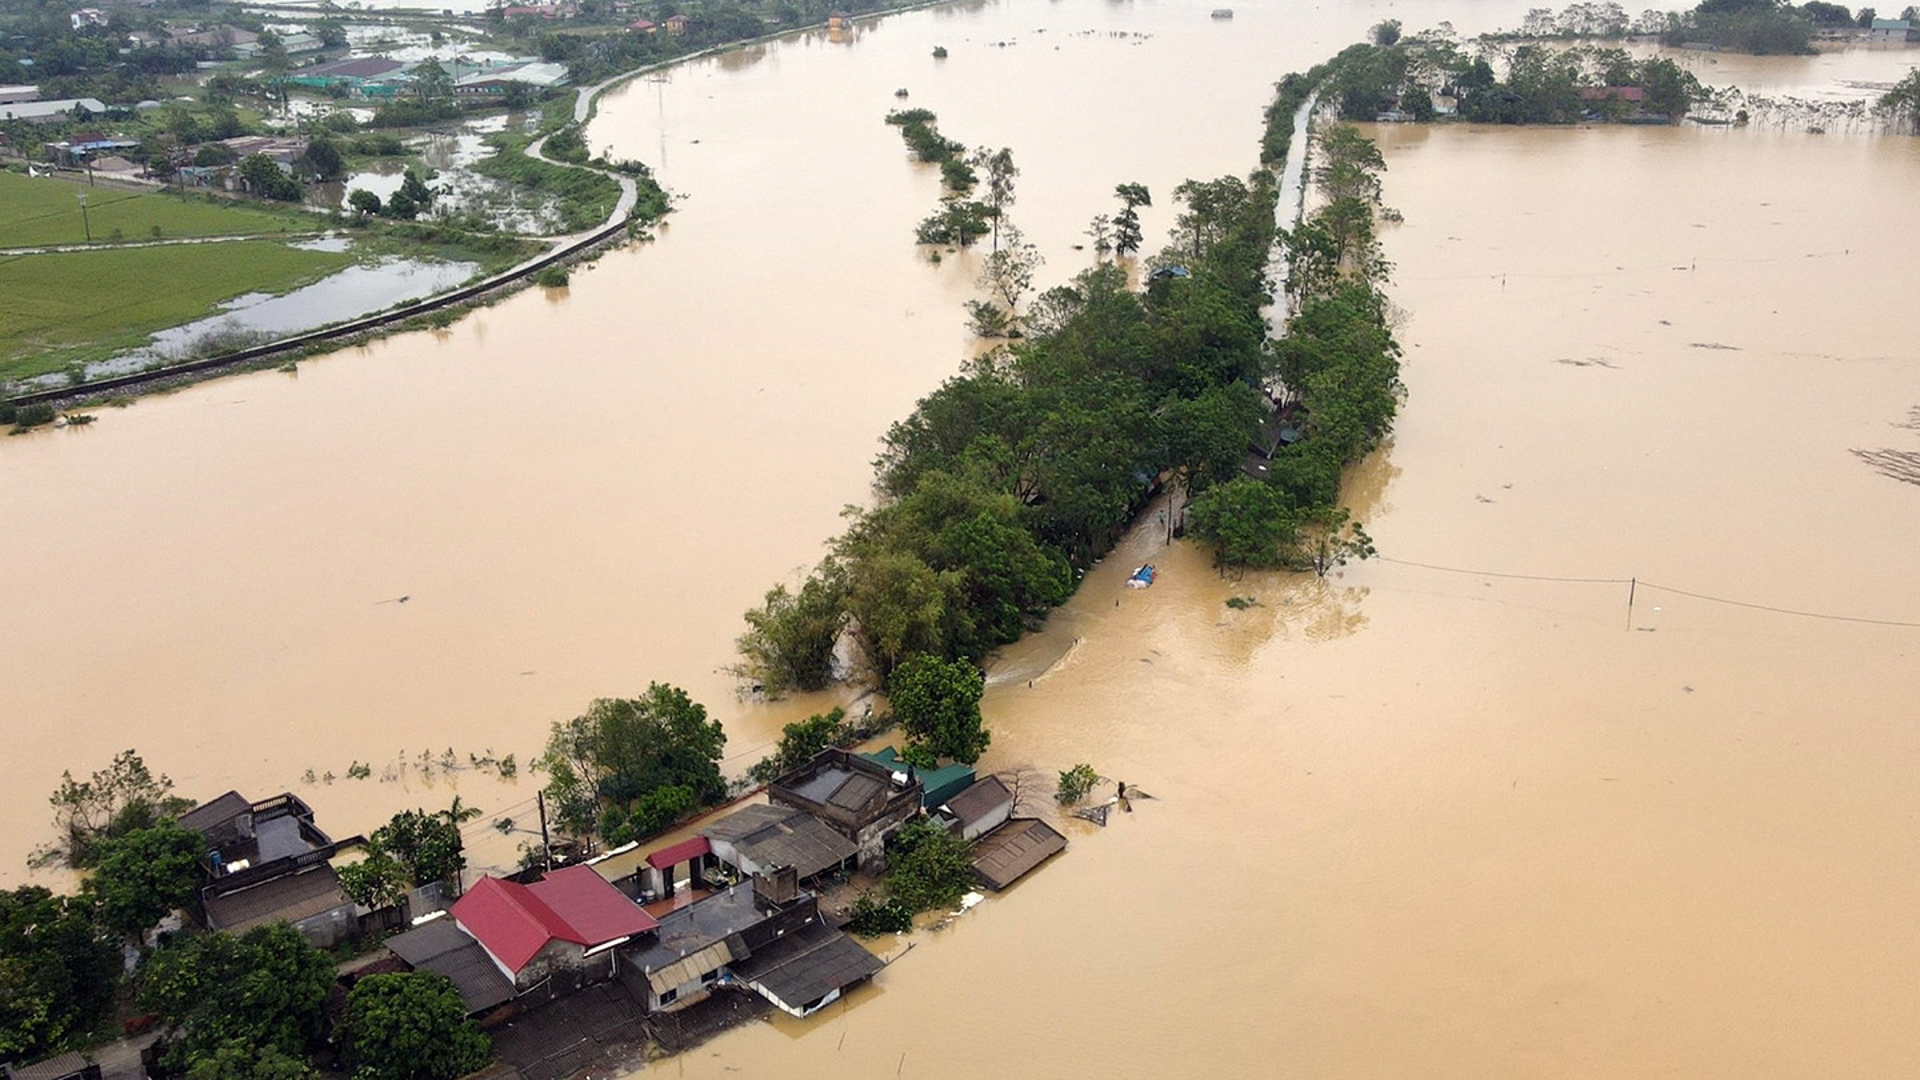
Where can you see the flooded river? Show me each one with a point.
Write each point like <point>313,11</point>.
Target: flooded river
<point>1410,822</point>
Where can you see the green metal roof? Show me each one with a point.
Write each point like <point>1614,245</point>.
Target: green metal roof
<point>942,783</point>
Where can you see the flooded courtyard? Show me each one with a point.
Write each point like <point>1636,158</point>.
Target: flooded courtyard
<point>1416,820</point>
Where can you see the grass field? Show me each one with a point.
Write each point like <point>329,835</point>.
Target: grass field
<point>36,212</point>
<point>73,307</point>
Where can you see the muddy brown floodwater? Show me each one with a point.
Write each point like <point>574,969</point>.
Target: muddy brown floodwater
<point>1410,822</point>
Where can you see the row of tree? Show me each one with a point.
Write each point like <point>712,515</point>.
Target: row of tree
<point>1009,480</point>
<point>1338,365</point>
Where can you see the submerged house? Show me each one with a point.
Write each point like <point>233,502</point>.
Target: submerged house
<point>938,785</point>
<point>980,809</point>
<point>766,935</point>
<point>268,862</point>
<point>760,839</point>
<point>860,799</point>
<point>1007,853</point>
<point>560,931</point>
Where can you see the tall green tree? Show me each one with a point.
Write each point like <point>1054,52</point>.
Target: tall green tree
<point>57,973</point>
<point>1126,224</point>
<point>621,750</point>
<point>145,874</point>
<point>264,988</point>
<point>1246,522</point>
<point>938,705</point>
<point>239,1061</point>
<point>410,1026</point>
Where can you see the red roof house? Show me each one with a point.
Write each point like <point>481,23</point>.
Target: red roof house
<point>555,923</point>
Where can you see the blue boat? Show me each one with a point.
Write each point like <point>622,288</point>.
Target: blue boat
<point>1142,577</point>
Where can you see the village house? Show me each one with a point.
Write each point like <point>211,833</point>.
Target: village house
<point>766,935</point>
<point>216,38</point>
<point>267,862</point>
<point>561,930</point>
<point>1009,852</point>
<point>676,24</point>
<point>86,17</point>
<point>980,809</point>
<point>85,148</point>
<point>838,20</point>
<point>758,839</point>
<point>1890,30</point>
<point>937,785</point>
<point>644,26</point>
<point>856,797</point>
<point>67,1066</point>
<point>14,95</point>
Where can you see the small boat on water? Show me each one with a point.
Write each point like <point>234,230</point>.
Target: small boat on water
<point>1142,577</point>
<point>1223,13</point>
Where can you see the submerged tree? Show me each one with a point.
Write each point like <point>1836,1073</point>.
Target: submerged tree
<point>938,704</point>
<point>116,800</point>
<point>1126,224</point>
<point>651,757</point>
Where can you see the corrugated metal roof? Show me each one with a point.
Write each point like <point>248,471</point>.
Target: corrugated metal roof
<point>54,1068</point>
<point>979,800</point>
<point>807,965</point>
<point>675,854</point>
<point>216,811</point>
<point>288,898</point>
<point>783,836</point>
<point>594,910</point>
<point>1004,855</point>
<point>576,904</point>
<point>690,967</point>
<point>442,947</point>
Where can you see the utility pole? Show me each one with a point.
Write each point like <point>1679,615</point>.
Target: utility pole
<point>546,845</point>
<point>84,223</point>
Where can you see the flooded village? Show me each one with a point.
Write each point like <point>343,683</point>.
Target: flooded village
<point>1603,764</point>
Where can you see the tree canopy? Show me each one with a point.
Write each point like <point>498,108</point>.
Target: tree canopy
<point>264,988</point>
<point>57,973</point>
<point>938,705</point>
<point>630,766</point>
<point>409,1026</point>
<point>143,875</point>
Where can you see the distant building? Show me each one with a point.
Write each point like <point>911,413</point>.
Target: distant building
<point>50,112</point>
<point>216,38</point>
<point>284,150</point>
<point>498,78</point>
<point>1632,94</point>
<point>862,800</point>
<point>14,95</point>
<point>86,17</point>
<point>676,24</point>
<point>838,20</point>
<point>356,74</point>
<point>1890,30</point>
<point>301,42</point>
<point>644,26</point>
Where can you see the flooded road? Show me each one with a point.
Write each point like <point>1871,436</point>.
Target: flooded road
<point>1411,822</point>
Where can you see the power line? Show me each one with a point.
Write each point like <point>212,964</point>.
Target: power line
<point>1639,583</point>
<point>1514,577</point>
<point>1781,610</point>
